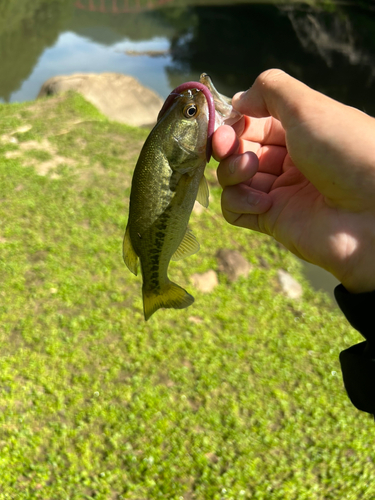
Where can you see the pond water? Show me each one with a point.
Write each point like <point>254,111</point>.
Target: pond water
<point>165,42</point>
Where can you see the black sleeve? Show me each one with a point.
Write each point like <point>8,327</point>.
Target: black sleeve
<point>358,362</point>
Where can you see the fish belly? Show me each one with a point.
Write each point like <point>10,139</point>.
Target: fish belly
<point>159,243</point>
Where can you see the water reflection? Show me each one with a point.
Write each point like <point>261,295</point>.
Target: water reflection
<point>332,51</point>
<point>76,54</point>
<point>26,30</point>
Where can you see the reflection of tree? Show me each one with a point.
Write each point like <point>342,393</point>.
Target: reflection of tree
<point>235,43</point>
<point>26,29</point>
<point>119,6</point>
<point>327,35</point>
<point>142,26</point>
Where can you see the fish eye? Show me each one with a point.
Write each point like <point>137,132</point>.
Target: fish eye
<point>190,110</point>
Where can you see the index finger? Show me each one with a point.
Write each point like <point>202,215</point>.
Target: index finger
<point>265,131</point>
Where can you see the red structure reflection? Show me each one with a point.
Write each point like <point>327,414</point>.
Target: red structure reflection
<point>119,6</point>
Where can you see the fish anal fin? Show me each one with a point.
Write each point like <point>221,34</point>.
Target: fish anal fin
<point>171,296</point>
<point>188,246</point>
<point>203,193</point>
<point>128,253</point>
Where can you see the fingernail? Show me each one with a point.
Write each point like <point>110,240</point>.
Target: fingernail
<point>234,164</point>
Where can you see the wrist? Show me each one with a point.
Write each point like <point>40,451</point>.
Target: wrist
<point>360,286</point>
<point>362,277</point>
<point>354,251</point>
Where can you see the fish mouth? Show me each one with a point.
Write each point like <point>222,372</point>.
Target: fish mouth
<point>225,114</point>
<point>210,103</point>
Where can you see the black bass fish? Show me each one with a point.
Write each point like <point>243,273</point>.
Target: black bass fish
<point>168,178</point>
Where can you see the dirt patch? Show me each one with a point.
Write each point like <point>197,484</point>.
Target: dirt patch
<point>68,126</point>
<point>40,107</point>
<point>10,139</point>
<point>42,167</point>
<point>67,140</point>
<point>88,174</point>
<point>45,167</point>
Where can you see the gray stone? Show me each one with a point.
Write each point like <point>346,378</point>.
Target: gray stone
<point>119,97</point>
<point>232,263</point>
<point>290,286</point>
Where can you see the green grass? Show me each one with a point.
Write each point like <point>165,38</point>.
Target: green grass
<point>239,396</point>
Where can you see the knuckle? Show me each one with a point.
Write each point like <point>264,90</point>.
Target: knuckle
<point>270,76</point>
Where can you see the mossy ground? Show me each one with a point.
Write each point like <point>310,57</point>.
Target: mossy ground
<point>239,396</point>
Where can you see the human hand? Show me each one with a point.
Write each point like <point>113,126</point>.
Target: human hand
<point>300,167</point>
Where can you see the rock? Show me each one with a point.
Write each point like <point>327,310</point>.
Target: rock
<point>232,263</point>
<point>119,97</point>
<point>193,319</point>
<point>212,457</point>
<point>205,282</point>
<point>290,286</point>
<point>149,53</point>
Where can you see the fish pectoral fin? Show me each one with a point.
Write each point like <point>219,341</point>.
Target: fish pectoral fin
<point>170,296</point>
<point>203,193</point>
<point>188,246</point>
<point>128,253</point>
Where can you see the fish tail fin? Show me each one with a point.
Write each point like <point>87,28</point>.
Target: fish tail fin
<point>170,296</point>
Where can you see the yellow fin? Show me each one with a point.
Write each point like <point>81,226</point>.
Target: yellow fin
<point>188,246</point>
<point>128,253</point>
<point>203,193</point>
<point>171,296</point>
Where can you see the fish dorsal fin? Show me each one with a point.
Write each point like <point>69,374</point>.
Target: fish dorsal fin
<point>188,246</point>
<point>128,253</point>
<point>202,196</point>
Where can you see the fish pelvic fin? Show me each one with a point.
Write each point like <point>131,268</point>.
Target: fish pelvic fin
<point>171,296</point>
<point>203,193</point>
<point>128,253</point>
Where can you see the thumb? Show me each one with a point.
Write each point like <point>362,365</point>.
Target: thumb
<point>275,93</point>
